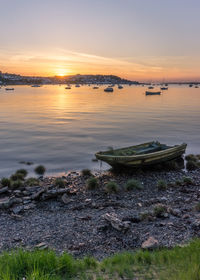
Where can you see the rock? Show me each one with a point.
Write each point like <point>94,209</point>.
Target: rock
<point>16,217</point>
<point>116,222</point>
<point>54,193</point>
<point>196,224</point>
<point>134,218</point>
<point>65,198</point>
<point>3,190</point>
<point>41,246</point>
<point>26,202</point>
<point>17,209</point>
<point>5,203</point>
<point>29,206</point>
<point>150,243</point>
<point>15,200</point>
<point>37,195</point>
<point>175,212</point>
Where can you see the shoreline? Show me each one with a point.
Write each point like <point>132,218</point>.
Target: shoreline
<point>73,218</point>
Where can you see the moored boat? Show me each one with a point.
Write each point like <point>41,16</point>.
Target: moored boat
<point>141,155</point>
<point>152,92</point>
<point>108,89</point>
<point>9,88</point>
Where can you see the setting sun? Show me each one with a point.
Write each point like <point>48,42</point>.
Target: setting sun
<point>61,72</point>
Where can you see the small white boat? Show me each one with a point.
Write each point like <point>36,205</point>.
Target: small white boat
<point>9,88</point>
<point>108,89</point>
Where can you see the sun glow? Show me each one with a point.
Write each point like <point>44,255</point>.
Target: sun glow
<point>61,72</point>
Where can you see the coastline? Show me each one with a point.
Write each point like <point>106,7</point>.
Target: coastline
<point>73,218</point>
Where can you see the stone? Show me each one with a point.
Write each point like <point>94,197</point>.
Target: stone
<point>17,209</point>
<point>41,246</point>
<point>65,198</point>
<point>37,195</point>
<point>29,206</point>
<point>116,222</point>
<point>150,243</point>
<point>5,203</point>
<point>3,190</point>
<point>196,224</point>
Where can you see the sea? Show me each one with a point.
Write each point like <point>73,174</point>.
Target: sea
<point>62,128</point>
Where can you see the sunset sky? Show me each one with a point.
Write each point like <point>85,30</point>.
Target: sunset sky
<point>135,39</point>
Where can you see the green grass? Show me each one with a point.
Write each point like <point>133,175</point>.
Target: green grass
<point>59,182</point>
<point>86,172</point>
<point>92,183</point>
<point>40,170</point>
<point>133,184</point>
<point>180,263</point>
<point>111,187</point>
<point>161,185</point>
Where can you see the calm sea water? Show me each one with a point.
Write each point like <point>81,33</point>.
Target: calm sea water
<point>62,129</point>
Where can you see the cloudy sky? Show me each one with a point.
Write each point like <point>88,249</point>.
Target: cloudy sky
<point>136,39</point>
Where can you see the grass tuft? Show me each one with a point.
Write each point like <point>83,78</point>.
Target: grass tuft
<point>92,183</point>
<point>40,170</point>
<point>111,187</point>
<point>5,182</point>
<point>192,165</point>
<point>86,172</point>
<point>24,172</point>
<point>161,185</point>
<point>59,182</point>
<point>159,210</point>
<point>32,182</point>
<point>187,180</point>
<point>133,184</point>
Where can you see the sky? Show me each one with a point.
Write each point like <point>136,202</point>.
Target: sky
<point>145,40</point>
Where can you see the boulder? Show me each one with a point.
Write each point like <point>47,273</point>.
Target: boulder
<point>150,243</point>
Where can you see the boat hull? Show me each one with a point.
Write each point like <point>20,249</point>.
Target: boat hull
<point>143,159</point>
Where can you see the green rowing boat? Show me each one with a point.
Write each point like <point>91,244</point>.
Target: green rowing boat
<point>141,155</point>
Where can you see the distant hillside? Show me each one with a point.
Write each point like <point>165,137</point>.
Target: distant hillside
<point>7,78</point>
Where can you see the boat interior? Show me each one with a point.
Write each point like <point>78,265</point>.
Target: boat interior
<point>138,150</point>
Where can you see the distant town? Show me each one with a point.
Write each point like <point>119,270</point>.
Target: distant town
<point>13,79</point>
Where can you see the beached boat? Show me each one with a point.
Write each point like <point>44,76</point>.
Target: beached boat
<point>95,87</point>
<point>67,87</point>
<point>164,88</point>
<point>77,85</point>
<point>150,87</point>
<point>152,92</point>
<point>36,86</point>
<point>108,89</point>
<point>141,155</point>
<point>120,87</point>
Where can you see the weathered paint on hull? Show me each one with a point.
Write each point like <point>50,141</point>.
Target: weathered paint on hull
<point>145,159</point>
